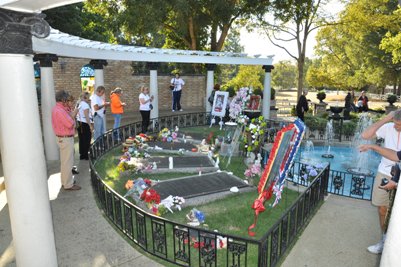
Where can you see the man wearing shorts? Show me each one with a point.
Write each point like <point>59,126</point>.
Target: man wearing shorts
<point>388,128</point>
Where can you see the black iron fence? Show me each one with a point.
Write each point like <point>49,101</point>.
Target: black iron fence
<point>347,184</point>
<point>183,245</point>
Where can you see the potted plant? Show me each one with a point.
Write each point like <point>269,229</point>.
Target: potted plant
<point>321,95</point>
<point>391,99</point>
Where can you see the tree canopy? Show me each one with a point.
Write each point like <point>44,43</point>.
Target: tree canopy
<point>294,21</point>
<point>195,25</point>
<point>350,54</point>
<point>284,75</point>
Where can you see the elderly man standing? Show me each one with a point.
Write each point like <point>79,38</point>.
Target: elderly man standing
<point>63,122</point>
<point>388,128</point>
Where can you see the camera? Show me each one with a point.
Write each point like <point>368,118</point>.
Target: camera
<point>384,182</point>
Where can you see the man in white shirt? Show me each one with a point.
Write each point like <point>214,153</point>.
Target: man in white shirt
<point>98,109</point>
<point>177,82</point>
<point>388,128</point>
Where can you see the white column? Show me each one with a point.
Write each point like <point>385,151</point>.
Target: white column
<point>154,91</point>
<point>209,88</point>
<point>24,164</point>
<point>99,77</point>
<point>48,101</point>
<point>267,91</point>
<point>391,255</point>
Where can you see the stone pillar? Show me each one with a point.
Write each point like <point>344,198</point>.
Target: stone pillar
<point>209,84</point>
<point>99,79</point>
<point>48,102</point>
<point>22,149</point>
<point>267,91</point>
<point>153,88</point>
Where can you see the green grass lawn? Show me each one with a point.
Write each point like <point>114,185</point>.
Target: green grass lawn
<point>233,214</point>
<point>226,215</point>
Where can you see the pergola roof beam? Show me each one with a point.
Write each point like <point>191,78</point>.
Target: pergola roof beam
<point>67,45</point>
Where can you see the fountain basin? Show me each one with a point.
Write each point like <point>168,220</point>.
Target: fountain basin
<point>336,110</point>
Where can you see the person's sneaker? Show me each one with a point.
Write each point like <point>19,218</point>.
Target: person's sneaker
<point>377,248</point>
<point>173,110</point>
<point>181,110</point>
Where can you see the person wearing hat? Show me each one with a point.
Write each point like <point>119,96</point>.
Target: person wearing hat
<point>63,123</point>
<point>177,83</point>
<point>364,102</point>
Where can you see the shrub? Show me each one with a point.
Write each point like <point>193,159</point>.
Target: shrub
<point>349,128</point>
<point>391,98</point>
<point>315,123</point>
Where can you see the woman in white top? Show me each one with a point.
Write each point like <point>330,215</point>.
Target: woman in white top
<point>145,107</point>
<point>85,125</point>
<point>178,83</point>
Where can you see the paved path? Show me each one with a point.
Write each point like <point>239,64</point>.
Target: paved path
<point>338,235</point>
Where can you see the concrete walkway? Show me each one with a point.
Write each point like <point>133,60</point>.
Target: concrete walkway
<point>338,235</point>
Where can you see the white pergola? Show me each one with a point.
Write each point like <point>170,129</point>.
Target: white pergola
<point>20,130</point>
<point>63,44</point>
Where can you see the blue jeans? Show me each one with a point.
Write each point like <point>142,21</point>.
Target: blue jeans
<point>176,100</point>
<point>99,126</point>
<point>117,122</point>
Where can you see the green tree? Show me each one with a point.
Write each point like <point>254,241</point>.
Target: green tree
<point>195,25</point>
<point>391,43</point>
<point>294,21</point>
<point>284,75</point>
<point>232,44</point>
<point>248,76</point>
<point>349,51</point>
<point>77,20</point>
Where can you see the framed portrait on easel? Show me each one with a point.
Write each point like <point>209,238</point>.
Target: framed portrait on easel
<point>219,104</point>
<point>254,103</point>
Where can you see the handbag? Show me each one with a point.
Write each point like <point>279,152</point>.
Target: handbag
<point>172,86</point>
<point>150,106</point>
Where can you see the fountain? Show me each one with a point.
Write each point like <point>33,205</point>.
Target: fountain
<point>309,147</point>
<point>362,159</point>
<point>329,139</point>
<point>336,110</point>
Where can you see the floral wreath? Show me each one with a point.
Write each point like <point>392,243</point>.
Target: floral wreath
<point>238,103</point>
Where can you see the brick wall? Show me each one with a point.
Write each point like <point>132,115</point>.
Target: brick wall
<point>118,74</point>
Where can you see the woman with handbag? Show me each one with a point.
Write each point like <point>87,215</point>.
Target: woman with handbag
<point>84,125</point>
<point>145,106</point>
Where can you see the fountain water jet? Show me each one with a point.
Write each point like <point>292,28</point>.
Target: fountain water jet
<point>362,159</point>
<point>329,139</point>
<point>309,146</point>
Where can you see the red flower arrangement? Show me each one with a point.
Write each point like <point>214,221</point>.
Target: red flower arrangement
<point>150,196</point>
